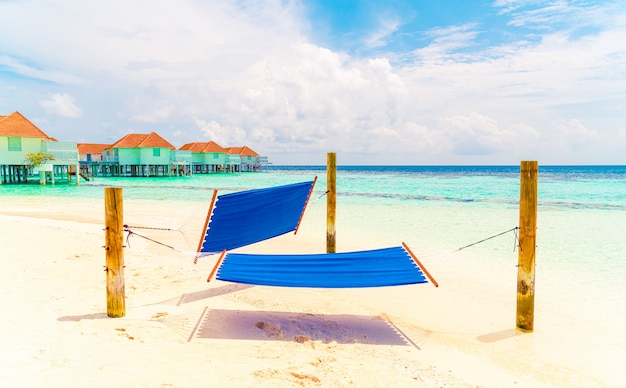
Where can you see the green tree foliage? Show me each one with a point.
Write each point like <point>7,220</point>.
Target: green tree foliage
<point>35,159</point>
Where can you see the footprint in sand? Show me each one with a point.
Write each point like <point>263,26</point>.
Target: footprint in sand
<point>270,329</point>
<point>158,316</point>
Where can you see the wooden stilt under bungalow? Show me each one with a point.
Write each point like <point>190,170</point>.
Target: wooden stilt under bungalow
<point>13,174</point>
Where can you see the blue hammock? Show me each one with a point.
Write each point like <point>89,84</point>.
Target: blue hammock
<point>247,217</point>
<point>374,268</point>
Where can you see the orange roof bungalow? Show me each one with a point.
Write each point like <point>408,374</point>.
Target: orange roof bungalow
<point>90,156</point>
<point>246,158</point>
<point>206,157</point>
<point>144,155</point>
<point>91,152</point>
<point>18,137</point>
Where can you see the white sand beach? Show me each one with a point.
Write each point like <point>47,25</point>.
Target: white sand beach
<point>180,331</point>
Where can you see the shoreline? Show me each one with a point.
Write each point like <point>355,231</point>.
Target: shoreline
<point>461,334</point>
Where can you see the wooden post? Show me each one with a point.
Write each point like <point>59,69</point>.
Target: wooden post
<point>114,239</point>
<point>527,243</point>
<point>331,195</point>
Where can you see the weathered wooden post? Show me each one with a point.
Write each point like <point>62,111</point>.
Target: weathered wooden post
<point>527,243</point>
<point>331,195</point>
<point>114,239</point>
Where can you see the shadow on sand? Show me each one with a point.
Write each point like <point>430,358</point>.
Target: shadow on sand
<point>177,301</point>
<point>298,327</point>
<point>76,318</point>
<point>498,335</point>
<point>205,294</point>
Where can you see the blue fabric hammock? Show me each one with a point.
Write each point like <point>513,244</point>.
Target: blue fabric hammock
<point>374,268</point>
<point>247,217</point>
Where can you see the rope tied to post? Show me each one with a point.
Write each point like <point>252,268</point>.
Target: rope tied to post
<point>515,229</point>
<point>319,197</point>
<point>147,227</point>
<point>131,233</point>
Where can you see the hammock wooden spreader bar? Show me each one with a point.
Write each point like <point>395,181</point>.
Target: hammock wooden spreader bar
<point>420,265</point>
<point>217,264</point>
<point>305,205</point>
<point>204,228</point>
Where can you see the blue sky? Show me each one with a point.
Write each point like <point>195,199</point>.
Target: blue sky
<point>383,27</point>
<point>378,82</point>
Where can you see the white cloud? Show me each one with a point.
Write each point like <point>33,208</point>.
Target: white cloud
<point>225,137</point>
<point>378,38</point>
<point>445,43</point>
<point>155,115</point>
<point>573,130</point>
<point>25,69</point>
<point>544,17</point>
<point>475,134</point>
<point>62,105</point>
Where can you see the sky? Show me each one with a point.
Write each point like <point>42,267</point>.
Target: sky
<point>395,82</point>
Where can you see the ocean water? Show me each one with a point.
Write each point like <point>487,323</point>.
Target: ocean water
<point>581,209</point>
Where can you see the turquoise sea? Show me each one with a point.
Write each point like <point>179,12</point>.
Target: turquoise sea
<point>579,187</point>
<point>582,207</point>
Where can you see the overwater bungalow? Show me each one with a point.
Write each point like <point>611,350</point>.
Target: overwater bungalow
<point>146,155</point>
<point>249,160</point>
<point>90,157</point>
<point>136,155</point>
<point>207,157</point>
<point>19,137</point>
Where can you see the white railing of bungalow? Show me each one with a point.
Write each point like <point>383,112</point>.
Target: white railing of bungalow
<point>65,160</point>
<point>64,153</point>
